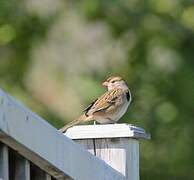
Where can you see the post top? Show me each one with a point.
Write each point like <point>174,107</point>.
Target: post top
<point>106,131</point>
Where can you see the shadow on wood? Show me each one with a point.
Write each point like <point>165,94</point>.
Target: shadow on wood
<point>116,144</point>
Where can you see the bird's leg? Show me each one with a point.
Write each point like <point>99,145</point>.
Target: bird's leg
<point>94,122</point>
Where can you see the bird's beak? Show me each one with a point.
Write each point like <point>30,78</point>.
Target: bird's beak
<point>105,83</point>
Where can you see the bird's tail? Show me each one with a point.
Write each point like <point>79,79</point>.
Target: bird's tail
<point>83,118</point>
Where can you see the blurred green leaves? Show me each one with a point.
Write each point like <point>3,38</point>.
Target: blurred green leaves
<point>188,17</point>
<point>7,34</point>
<point>166,112</point>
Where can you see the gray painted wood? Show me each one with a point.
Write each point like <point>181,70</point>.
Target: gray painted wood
<point>87,144</point>
<point>38,174</point>
<point>22,169</point>
<point>116,144</point>
<point>4,166</point>
<point>19,167</point>
<point>122,154</point>
<point>48,177</point>
<point>42,144</point>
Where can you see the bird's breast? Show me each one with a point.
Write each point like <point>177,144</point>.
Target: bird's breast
<point>121,111</point>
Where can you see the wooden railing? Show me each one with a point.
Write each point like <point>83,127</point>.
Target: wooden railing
<point>31,149</point>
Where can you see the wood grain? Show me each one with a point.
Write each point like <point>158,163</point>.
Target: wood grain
<point>4,164</point>
<point>122,154</point>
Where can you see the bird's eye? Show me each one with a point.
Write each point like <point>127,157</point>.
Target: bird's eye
<point>113,81</point>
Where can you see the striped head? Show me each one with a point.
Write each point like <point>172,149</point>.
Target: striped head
<point>115,82</point>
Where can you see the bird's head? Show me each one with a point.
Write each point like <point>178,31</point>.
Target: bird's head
<point>115,82</point>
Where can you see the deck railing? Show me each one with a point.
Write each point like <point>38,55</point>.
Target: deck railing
<point>31,149</point>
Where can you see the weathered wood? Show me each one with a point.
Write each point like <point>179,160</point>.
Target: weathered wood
<point>116,144</point>
<point>4,165</point>
<point>48,177</point>
<point>38,174</point>
<point>120,153</point>
<point>22,169</point>
<point>42,144</point>
<point>87,144</point>
<point>19,167</point>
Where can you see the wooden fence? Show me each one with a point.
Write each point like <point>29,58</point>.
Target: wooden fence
<point>31,149</point>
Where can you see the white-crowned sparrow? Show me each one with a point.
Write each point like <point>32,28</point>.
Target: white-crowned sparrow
<point>109,107</point>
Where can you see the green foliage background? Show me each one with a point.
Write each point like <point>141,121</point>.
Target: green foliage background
<point>156,57</point>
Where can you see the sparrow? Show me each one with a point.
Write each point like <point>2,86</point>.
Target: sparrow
<point>109,107</point>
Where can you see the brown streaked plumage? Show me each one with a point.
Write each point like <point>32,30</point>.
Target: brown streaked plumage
<point>109,107</point>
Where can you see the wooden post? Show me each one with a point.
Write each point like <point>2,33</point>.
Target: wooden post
<point>116,144</point>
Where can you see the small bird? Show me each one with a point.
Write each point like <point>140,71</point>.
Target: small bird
<point>109,107</point>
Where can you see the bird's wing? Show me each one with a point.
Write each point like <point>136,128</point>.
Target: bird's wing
<point>89,106</point>
<point>107,100</point>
